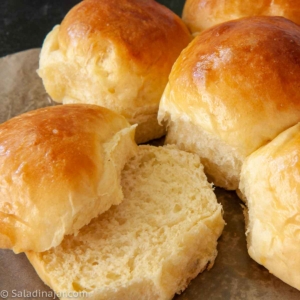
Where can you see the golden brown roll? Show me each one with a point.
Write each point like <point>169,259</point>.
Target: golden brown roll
<point>270,181</point>
<point>117,54</point>
<point>202,14</point>
<point>232,90</point>
<point>59,168</point>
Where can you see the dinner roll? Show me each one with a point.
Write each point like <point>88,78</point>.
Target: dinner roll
<point>151,245</point>
<point>117,54</point>
<point>202,14</point>
<point>270,181</point>
<point>59,168</point>
<point>232,90</point>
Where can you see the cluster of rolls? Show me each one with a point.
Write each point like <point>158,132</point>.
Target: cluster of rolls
<point>97,216</point>
<point>231,95</point>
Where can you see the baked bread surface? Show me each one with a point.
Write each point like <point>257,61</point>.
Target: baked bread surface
<point>270,184</point>
<point>202,14</point>
<point>151,245</point>
<point>232,90</point>
<point>117,54</point>
<point>60,167</point>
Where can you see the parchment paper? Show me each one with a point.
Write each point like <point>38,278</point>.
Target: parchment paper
<point>21,89</point>
<point>234,276</point>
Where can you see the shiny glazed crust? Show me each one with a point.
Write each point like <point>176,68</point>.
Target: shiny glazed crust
<point>238,82</point>
<point>202,14</point>
<point>60,167</point>
<point>114,53</point>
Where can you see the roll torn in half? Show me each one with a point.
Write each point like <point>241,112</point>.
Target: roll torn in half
<point>151,245</point>
<point>60,167</point>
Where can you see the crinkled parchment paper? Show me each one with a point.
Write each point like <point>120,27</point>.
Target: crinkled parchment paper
<point>234,275</point>
<point>21,89</point>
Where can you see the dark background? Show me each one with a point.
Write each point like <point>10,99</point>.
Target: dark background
<point>25,23</point>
